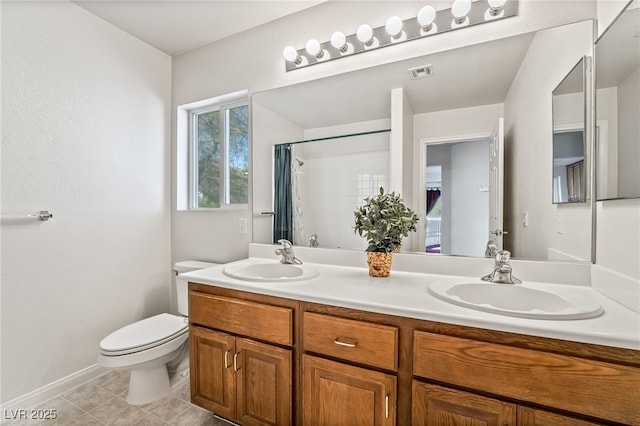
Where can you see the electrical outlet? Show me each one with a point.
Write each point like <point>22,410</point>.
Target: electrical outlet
<point>525,219</point>
<point>559,224</point>
<point>242,225</point>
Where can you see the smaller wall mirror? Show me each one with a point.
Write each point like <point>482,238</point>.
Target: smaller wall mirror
<point>569,171</point>
<point>617,57</point>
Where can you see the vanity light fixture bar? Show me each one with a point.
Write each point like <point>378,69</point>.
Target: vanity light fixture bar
<point>428,22</point>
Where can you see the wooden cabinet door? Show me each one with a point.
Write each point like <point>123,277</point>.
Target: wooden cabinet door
<point>336,394</point>
<point>212,375</point>
<point>533,417</point>
<point>263,384</point>
<point>439,406</point>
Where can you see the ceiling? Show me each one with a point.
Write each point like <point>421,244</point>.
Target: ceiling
<point>177,26</point>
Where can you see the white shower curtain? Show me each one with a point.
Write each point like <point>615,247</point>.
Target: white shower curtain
<point>297,174</point>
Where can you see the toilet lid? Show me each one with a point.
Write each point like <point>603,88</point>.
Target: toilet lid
<point>146,333</point>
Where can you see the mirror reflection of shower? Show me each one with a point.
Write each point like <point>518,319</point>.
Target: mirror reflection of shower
<point>329,179</point>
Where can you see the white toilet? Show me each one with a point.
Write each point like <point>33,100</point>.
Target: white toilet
<point>155,349</point>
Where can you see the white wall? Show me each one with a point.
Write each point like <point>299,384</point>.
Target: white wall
<point>628,131</point>
<point>617,269</point>
<point>528,147</point>
<point>401,155</point>
<point>457,123</point>
<point>606,120</point>
<point>469,205</point>
<point>85,134</point>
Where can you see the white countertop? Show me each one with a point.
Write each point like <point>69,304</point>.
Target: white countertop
<point>405,294</point>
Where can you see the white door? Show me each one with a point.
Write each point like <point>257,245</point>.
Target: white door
<point>496,184</point>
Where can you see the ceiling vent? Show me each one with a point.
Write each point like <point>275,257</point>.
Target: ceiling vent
<point>421,72</point>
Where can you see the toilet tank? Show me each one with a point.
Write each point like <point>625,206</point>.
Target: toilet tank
<point>182,284</point>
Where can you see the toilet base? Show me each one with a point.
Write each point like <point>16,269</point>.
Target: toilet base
<point>148,385</point>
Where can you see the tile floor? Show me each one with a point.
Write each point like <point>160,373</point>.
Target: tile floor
<point>101,402</point>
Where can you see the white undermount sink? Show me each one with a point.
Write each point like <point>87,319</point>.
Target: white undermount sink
<point>518,300</point>
<point>269,272</point>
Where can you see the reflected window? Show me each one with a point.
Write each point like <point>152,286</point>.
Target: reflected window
<point>568,167</point>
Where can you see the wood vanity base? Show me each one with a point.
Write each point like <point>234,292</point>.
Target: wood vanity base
<point>318,365</point>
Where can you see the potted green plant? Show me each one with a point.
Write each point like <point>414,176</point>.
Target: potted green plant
<point>384,221</point>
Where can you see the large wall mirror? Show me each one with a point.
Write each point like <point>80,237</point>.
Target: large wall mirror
<point>569,167</point>
<point>470,90</point>
<point>618,107</point>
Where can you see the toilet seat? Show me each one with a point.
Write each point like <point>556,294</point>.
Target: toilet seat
<point>145,334</point>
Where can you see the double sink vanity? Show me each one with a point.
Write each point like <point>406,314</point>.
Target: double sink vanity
<point>322,343</point>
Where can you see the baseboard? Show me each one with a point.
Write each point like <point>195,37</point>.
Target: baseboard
<point>38,396</point>
<point>619,287</point>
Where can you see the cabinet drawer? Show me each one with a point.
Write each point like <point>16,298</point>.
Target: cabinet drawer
<point>256,320</point>
<point>574,384</point>
<point>363,342</point>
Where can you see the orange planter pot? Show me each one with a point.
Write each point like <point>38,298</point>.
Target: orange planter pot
<point>379,263</point>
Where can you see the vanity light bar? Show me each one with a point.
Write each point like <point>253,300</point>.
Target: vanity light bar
<point>463,13</point>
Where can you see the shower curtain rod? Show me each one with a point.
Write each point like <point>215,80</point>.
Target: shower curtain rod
<point>373,132</point>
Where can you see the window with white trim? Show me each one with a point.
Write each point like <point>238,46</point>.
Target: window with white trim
<point>218,155</point>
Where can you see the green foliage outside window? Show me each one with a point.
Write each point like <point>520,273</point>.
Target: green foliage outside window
<point>239,155</point>
<point>208,159</point>
<point>213,170</point>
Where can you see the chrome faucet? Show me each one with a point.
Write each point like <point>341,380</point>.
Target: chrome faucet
<point>313,240</point>
<point>491,250</point>
<point>502,270</point>
<point>286,251</point>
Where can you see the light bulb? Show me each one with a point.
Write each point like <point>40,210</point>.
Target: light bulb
<point>495,6</point>
<point>313,48</point>
<point>426,16</point>
<point>339,41</point>
<point>394,26</point>
<point>459,10</point>
<point>365,34</point>
<point>291,55</point>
